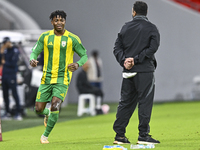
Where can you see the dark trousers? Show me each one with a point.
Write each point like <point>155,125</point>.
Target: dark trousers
<point>96,84</point>
<point>136,90</point>
<point>9,82</point>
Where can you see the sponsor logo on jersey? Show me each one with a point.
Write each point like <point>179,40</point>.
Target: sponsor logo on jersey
<point>50,43</point>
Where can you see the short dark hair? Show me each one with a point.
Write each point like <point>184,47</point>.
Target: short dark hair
<point>95,53</point>
<point>140,8</point>
<point>6,39</point>
<point>58,13</point>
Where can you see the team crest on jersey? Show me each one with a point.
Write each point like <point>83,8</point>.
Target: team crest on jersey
<point>63,43</point>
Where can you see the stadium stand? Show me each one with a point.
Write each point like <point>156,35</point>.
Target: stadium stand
<point>193,4</point>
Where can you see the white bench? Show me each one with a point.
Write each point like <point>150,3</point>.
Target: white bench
<point>81,104</point>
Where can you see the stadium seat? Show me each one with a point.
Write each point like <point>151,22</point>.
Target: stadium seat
<point>81,104</point>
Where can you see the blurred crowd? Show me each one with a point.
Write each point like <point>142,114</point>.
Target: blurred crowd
<point>89,81</point>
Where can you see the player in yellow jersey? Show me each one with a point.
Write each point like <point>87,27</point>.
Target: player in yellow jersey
<point>59,46</point>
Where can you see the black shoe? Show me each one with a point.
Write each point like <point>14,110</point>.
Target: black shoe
<point>121,140</point>
<point>147,140</point>
<point>99,111</point>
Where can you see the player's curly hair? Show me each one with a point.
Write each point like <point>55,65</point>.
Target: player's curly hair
<point>58,13</point>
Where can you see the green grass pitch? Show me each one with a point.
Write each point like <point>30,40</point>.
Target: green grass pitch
<point>176,125</point>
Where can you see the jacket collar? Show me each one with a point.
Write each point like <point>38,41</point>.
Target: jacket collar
<point>140,17</point>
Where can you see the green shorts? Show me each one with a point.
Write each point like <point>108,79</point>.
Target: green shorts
<point>47,91</point>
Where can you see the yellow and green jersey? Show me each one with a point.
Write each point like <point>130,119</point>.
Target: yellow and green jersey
<point>58,54</point>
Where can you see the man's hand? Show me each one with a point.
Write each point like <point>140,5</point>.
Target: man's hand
<point>73,67</point>
<point>3,47</point>
<point>34,63</point>
<point>3,61</point>
<point>129,63</point>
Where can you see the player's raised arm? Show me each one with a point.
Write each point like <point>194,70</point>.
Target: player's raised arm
<point>36,50</point>
<point>81,51</point>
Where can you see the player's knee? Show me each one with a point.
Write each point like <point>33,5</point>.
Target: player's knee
<point>56,106</point>
<point>38,110</point>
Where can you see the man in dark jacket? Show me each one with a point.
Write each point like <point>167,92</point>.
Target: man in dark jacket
<point>9,55</point>
<point>134,49</point>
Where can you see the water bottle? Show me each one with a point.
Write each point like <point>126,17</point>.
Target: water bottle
<point>116,147</point>
<point>141,146</point>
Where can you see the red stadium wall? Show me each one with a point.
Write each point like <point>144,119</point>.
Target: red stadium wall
<point>193,4</point>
